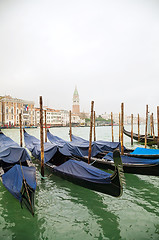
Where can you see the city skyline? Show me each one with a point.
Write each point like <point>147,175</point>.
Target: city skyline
<point>109,50</point>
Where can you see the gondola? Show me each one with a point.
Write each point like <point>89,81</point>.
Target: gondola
<point>143,166</point>
<point>80,147</point>
<point>15,173</point>
<point>59,160</point>
<point>139,161</point>
<point>150,140</point>
<point>131,164</point>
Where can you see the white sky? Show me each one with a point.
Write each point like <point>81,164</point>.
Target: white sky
<point>109,49</point>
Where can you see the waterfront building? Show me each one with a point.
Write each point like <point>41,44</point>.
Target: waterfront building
<point>53,117</point>
<point>58,118</point>
<point>11,107</point>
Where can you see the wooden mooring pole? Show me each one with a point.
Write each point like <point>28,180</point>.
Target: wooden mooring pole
<point>122,125</point>
<point>131,129</point>
<point>45,127</point>
<point>94,123</point>
<point>119,127</point>
<point>112,126</point>
<point>146,126</point>
<point>41,137</point>
<point>20,123</point>
<point>138,120</point>
<point>153,130</point>
<point>90,136</point>
<point>158,126</point>
<point>70,124</point>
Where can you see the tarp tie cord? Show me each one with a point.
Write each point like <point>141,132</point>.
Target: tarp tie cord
<point>42,176</point>
<point>26,188</point>
<point>93,162</point>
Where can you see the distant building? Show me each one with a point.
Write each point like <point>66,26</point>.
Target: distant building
<point>53,117</point>
<point>76,104</point>
<point>58,118</point>
<point>10,109</point>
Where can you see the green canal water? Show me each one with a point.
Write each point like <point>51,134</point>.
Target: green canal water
<point>65,211</point>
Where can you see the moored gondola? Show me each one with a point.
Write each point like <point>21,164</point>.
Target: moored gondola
<point>17,176</point>
<point>150,140</point>
<point>139,161</point>
<point>61,163</point>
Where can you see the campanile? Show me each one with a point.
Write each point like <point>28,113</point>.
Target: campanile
<point>76,105</point>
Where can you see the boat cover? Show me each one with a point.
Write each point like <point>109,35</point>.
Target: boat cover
<point>82,170</point>
<point>79,146</point>
<point>10,151</point>
<point>34,146</point>
<point>132,160</point>
<point>79,141</point>
<point>13,179</point>
<point>145,151</point>
<point>102,145</point>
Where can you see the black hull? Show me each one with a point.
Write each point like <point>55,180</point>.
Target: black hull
<point>149,169</point>
<point>114,189</point>
<point>28,201</point>
<point>27,195</point>
<point>150,140</point>
<point>152,170</point>
<point>153,156</point>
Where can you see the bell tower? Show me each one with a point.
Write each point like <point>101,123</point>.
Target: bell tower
<point>76,105</point>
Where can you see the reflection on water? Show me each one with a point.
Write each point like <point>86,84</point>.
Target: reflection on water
<point>67,211</point>
<point>75,212</point>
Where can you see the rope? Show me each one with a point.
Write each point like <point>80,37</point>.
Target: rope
<point>24,180</point>
<point>42,176</point>
<point>93,162</point>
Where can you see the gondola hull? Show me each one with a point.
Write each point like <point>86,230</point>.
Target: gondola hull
<point>20,181</point>
<point>143,169</point>
<point>151,170</point>
<point>150,140</point>
<point>143,166</point>
<point>16,174</point>
<point>114,188</point>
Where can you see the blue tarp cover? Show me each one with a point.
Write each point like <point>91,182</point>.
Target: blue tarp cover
<point>10,151</point>
<point>34,146</point>
<point>13,179</point>
<point>132,160</point>
<point>82,170</point>
<point>145,151</point>
<point>79,146</point>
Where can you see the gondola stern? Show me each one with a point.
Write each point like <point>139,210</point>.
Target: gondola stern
<point>118,178</point>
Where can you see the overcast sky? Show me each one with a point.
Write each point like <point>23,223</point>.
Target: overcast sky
<point>109,49</point>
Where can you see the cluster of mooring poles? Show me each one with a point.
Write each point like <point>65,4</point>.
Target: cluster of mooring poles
<point>121,125</point>
<point>149,127</point>
<point>92,123</point>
